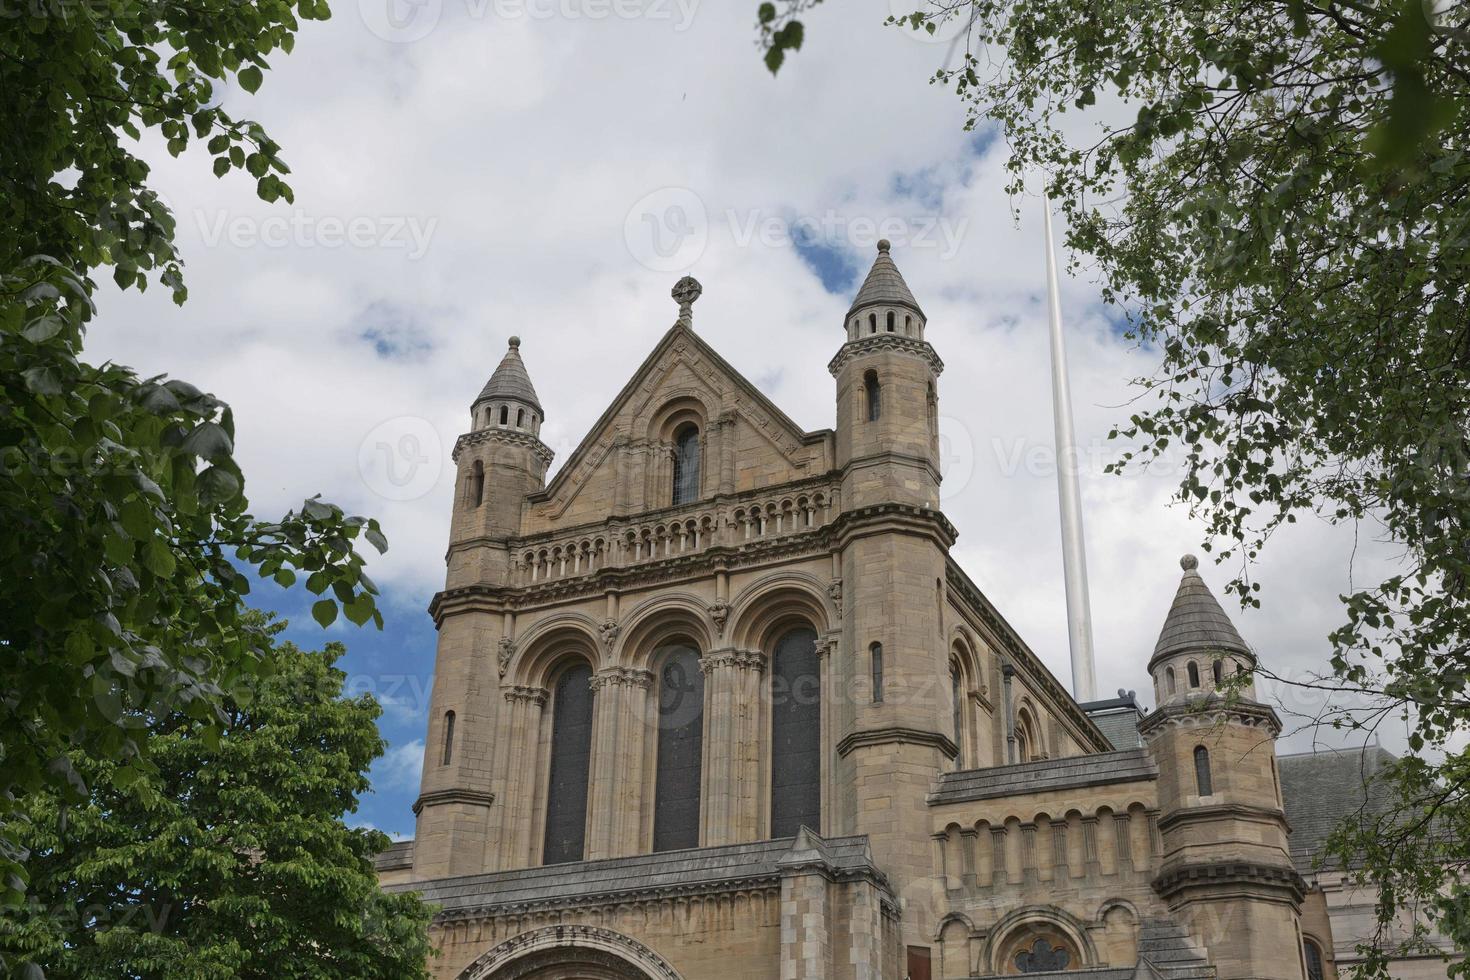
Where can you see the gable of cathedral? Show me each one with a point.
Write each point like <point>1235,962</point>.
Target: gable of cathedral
<point>619,466</point>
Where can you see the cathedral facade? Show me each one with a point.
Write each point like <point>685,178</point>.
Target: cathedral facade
<point>715,701</point>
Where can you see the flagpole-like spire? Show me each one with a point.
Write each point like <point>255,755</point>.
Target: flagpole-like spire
<point>1074,550</point>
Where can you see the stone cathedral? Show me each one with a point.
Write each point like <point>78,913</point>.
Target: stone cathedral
<point>716,702</point>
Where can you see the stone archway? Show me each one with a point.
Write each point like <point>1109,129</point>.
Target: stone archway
<point>570,952</point>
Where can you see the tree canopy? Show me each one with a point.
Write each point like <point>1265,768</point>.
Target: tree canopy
<point>128,541</point>
<point>1276,196</point>
<point>229,860</point>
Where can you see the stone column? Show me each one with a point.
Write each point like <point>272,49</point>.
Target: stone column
<point>969,840</point>
<point>731,791</point>
<point>999,876</point>
<point>1061,869</point>
<point>1092,864</point>
<point>1123,843</point>
<point>526,707</point>
<point>616,787</point>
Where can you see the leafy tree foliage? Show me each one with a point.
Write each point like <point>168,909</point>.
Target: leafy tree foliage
<point>127,534</point>
<point>229,858</point>
<point>1277,195</point>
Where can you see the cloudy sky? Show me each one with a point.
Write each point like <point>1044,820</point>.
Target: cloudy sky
<point>466,170</point>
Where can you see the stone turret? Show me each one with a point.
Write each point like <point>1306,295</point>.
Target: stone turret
<point>887,396</point>
<point>895,734</point>
<point>500,460</point>
<point>1226,868</point>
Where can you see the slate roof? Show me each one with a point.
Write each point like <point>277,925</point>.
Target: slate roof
<point>687,870</point>
<point>1074,772</point>
<point>510,379</point>
<point>1196,621</point>
<point>884,285</point>
<point>1117,718</point>
<point>1321,789</point>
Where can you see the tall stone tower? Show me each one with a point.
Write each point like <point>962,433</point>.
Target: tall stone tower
<point>894,726</point>
<point>1226,868</point>
<point>499,461</point>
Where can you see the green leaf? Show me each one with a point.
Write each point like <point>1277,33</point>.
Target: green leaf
<point>324,612</point>
<point>249,78</point>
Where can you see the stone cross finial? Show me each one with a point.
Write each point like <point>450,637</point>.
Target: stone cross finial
<point>685,292</point>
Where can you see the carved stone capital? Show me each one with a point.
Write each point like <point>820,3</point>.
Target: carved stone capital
<point>530,695</point>
<point>731,658</point>
<point>635,677</point>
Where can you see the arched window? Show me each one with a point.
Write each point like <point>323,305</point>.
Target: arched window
<point>890,321</point>
<point>475,492</point>
<point>1219,672</point>
<point>520,417</point>
<point>1315,969</point>
<point>1193,674</point>
<point>1202,776</point>
<point>874,392</point>
<point>680,745</point>
<point>686,464</point>
<point>908,325</point>
<point>875,662</point>
<point>872,323</point>
<point>504,414</point>
<point>571,755</point>
<point>448,739</point>
<point>1173,684</point>
<point>796,718</point>
<point>957,712</point>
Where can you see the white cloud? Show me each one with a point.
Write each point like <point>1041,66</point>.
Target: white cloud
<point>521,144</point>
<point>399,768</point>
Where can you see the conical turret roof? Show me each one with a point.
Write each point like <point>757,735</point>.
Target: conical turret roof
<point>510,379</point>
<point>1196,621</point>
<point>884,285</point>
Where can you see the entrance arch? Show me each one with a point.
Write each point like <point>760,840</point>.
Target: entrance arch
<point>570,952</point>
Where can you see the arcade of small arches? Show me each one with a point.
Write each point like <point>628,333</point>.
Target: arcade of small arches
<point>1039,939</point>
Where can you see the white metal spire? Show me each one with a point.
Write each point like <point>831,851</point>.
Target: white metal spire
<point>1074,550</point>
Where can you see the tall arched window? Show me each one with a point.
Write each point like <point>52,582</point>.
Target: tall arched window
<point>890,321</point>
<point>504,414</point>
<point>872,323</point>
<point>875,665</point>
<point>680,744</point>
<point>520,417</point>
<point>475,491</point>
<point>874,392</point>
<point>448,739</point>
<point>1193,674</point>
<point>686,464</point>
<point>1204,780</point>
<point>571,754</point>
<point>1219,672</point>
<point>957,713</point>
<point>1315,969</point>
<point>796,718</point>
